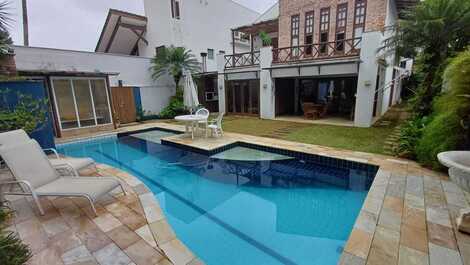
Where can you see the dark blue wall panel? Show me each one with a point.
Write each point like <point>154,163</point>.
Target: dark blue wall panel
<point>45,133</point>
<point>137,98</point>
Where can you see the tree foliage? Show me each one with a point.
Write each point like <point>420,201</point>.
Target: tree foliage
<point>433,31</point>
<point>172,61</point>
<point>28,114</point>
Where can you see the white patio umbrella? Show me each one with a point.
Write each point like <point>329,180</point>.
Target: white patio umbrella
<point>191,100</point>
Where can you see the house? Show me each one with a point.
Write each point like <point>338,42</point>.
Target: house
<point>321,61</point>
<point>94,91</point>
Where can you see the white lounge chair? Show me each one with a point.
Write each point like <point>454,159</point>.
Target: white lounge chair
<point>20,136</point>
<point>36,176</point>
<point>216,125</point>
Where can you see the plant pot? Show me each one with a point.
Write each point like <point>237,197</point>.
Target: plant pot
<point>8,64</point>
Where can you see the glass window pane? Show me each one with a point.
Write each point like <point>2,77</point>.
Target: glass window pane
<point>100,97</point>
<point>65,104</point>
<point>84,103</point>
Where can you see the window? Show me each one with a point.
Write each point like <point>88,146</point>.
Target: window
<point>295,23</point>
<point>81,102</point>
<point>324,29</point>
<point>175,9</point>
<point>341,20</point>
<point>159,49</point>
<point>359,21</point>
<point>210,54</point>
<point>308,32</point>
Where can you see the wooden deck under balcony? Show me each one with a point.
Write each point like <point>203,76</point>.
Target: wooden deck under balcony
<point>317,51</point>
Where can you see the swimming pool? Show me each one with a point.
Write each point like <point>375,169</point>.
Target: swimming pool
<point>231,211</point>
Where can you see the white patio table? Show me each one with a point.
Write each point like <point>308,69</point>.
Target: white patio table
<point>191,121</point>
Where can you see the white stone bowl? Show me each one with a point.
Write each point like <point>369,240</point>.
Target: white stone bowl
<point>458,163</point>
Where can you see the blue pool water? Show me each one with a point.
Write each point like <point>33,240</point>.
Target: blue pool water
<point>243,212</point>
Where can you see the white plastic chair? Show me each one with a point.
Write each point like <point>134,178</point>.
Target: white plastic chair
<point>216,125</point>
<point>205,113</point>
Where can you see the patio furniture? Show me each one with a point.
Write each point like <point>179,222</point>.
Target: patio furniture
<point>458,163</point>
<point>203,112</point>
<point>216,125</point>
<point>314,111</point>
<point>37,177</point>
<point>20,136</point>
<point>191,122</point>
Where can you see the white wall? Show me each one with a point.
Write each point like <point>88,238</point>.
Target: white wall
<point>390,20</point>
<point>132,70</point>
<point>366,81</point>
<point>203,24</point>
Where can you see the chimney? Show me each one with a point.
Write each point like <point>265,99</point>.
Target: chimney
<point>204,61</point>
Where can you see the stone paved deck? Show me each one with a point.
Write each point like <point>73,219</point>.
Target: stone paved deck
<point>129,229</point>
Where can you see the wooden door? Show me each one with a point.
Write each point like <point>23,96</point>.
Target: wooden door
<point>124,104</point>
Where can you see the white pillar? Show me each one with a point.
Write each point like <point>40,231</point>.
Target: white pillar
<point>267,89</point>
<point>366,83</point>
<point>221,81</point>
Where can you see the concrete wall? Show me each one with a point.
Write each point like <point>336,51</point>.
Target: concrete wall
<point>366,83</point>
<point>132,70</point>
<point>204,24</point>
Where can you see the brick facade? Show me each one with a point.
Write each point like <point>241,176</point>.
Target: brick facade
<point>375,17</point>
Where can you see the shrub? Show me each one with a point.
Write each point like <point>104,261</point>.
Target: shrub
<point>410,133</point>
<point>451,111</point>
<point>12,250</point>
<point>176,106</point>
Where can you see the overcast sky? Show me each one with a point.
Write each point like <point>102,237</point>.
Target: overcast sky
<point>77,24</point>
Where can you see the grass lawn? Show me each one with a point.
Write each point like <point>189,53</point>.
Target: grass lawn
<point>370,140</point>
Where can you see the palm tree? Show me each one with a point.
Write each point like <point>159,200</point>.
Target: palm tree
<point>172,61</point>
<point>4,15</point>
<point>432,31</point>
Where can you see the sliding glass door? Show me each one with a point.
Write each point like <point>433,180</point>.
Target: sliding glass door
<point>81,102</point>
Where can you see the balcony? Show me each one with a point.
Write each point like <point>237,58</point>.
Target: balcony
<point>318,51</point>
<point>242,60</point>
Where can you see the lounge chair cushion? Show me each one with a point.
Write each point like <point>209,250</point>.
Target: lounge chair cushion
<point>93,187</point>
<point>76,163</point>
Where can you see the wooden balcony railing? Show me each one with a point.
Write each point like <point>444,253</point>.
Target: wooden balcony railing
<point>242,59</point>
<point>324,50</point>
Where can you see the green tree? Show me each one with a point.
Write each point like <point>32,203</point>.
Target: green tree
<point>433,31</point>
<point>12,250</point>
<point>172,61</point>
<point>5,40</point>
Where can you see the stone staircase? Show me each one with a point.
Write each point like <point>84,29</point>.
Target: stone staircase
<point>281,133</point>
<point>394,117</point>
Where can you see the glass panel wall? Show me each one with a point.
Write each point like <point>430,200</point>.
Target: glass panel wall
<point>81,102</point>
<point>100,97</point>
<point>65,104</point>
<point>84,102</point>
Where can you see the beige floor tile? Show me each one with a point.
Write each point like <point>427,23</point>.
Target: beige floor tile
<point>123,236</point>
<point>162,232</point>
<point>77,255</point>
<point>55,226</point>
<point>386,241</point>
<point>409,256</point>
<point>441,235</point>
<point>142,253</point>
<point>147,235</point>
<point>177,252</point>
<point>48,256</point>
<point>414,238</point>
<point>111,255</point>
<point>359,243</point>
<point>107,222</point>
